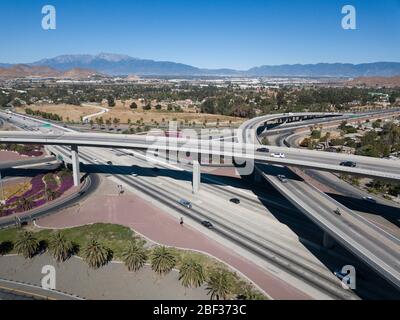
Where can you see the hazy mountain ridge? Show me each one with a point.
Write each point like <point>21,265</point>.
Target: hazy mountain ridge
<point>386,69</point>
<point>27,71</point>
<point>115,64</point>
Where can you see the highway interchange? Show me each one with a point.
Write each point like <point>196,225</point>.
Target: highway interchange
<point>252,229</point>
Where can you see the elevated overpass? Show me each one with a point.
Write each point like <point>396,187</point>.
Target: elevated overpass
<point>25,162</point>
<point>366,166</point>
<point>372,245</point>
<point>376,249</point>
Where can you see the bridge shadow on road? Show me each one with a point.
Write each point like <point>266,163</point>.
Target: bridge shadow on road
<point>390,213</point>
<point>370,285</point>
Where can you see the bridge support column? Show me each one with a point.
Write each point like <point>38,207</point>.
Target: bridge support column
<point>257,176</point>
<point>75,165</point>
<point>328,241</point>
<point>196,176</point>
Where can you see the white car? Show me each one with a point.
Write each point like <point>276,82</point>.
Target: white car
<point>278,155</point>
<point>369,199</point>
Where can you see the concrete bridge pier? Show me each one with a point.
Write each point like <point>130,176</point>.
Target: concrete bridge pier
<point>196,176</point>
<point>75,165</point>
<point>328,242</point>
<point>257,176</point>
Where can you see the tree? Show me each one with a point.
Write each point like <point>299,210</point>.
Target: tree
<point>50,194</point>
<point>111,101</point>
<point>316,134</point>
<point>26,204</point>
<point>133,105</point>
<point>162,260</point>
<point>26,244</point>
<point>191,273</point>
<point>249,294</point>
<point>376,124</point>
<point>60,247</point>
<point>95,254</point>
<point>116,122</point>
<point>343,125</point>
<point>219,285</point>
<point>108,123</point>
<point>134,256</point>
<point>91,122</point>
<point>280,99</point>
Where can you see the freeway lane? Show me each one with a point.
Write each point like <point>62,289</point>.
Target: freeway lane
<point>25,162</point>
<point>232,225</point>
<point>378,250</point>
<point>379,213</point>
<point>320,283</point>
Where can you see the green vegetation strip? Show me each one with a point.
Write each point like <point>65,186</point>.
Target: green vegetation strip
<point>99,243</point>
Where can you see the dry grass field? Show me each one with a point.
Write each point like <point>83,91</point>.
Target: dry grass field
<point>123,112</point>
<point>74,113</point>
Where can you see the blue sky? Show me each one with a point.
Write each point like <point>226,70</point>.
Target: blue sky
<point>205,33</point>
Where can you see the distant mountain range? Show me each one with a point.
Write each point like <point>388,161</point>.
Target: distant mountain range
<point>114,64</point>
<point>29,71</point>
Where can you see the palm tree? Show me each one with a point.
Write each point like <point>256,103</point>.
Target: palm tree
<point>134,256</point>
<point>95,254</point>
<point>191,274</point>
<point>50,194</point>
<point>26,244</point>
<point>162,260</point>
<point>60,247</point>
<point>26,204</point>
<point>219,285</point>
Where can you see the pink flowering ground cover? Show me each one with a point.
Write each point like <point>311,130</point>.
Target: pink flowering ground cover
<point>24,150</point>
<point>55,183</point>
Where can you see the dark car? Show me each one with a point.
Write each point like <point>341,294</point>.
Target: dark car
<point>340,274</point>
<point>235,200</point>
<point>262,150</point>
<point>207,224</point>
<point>155,169</point>
<point>185,203</point>
<point>337,211</point>
<point>351,164</point>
